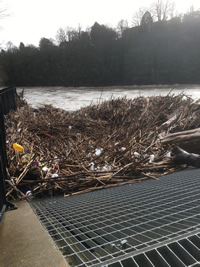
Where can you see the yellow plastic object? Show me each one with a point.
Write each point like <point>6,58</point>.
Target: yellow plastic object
<point>18,147</point>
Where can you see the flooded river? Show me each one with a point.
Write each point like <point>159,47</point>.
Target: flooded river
<point>71,98</point>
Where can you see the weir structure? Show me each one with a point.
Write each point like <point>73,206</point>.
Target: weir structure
<point>151,223</point>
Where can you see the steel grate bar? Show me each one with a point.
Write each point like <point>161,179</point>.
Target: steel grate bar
<point>130,224</point>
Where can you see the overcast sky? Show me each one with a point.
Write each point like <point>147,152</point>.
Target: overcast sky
<point>29,20</point>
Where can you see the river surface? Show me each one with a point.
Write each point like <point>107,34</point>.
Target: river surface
<point>71,98</point>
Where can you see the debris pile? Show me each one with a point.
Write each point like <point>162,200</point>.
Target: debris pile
<point>112,143</point>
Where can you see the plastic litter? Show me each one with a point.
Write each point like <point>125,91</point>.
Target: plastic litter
<point>113,245</point>
<point>56,166</point>
<point>136,154</point>
<point>151,158</point>
<point>123,243</point>
<point>122,148</point>
<point>18,147</point>
<point>28,193</point>
<point>98,151</point>
<point>92,166</point>
<point>98,168</point>
<point>106,167</point>
<point>70,127</point>
<point>45,169</point>
<point>47,134</point>
<point>168,155</point>
<point>26,158</point>
<point>54,175</point>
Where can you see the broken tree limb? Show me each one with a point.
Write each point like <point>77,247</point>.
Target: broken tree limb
<point>187,140</point>
<point>172,118</point>
<point>183,157</point>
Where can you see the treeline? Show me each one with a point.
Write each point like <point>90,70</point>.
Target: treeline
<point>161,52</point>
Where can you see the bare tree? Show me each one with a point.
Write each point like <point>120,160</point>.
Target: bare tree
<point>61,36</point>
<point>65,35</point>
<point>70,31</point>
<point>68,34</point>
<point>162,10</point>
<point>147,21</point>
<point>137,16</point>
<point>79,30</point>
<point>122,26</point>
<point>10,46</point>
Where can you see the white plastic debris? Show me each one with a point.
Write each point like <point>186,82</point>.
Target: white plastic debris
<point>106,167</point>
<point>98,151</point>
<point>54,175</point>
<point>28,193</point>
<point>70,127</point>
<point>136,154</point>
<point>123,242</point>
<point>45,169</point>
<point>151,158</point>
<point>168,155</point>
<point>92,166</point>
<point>98,168</point>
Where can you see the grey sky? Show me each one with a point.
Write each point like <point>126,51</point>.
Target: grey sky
<point>29,20</point>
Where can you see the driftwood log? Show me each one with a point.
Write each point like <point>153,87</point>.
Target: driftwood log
<point>187,140</point>
<point>183,157</point>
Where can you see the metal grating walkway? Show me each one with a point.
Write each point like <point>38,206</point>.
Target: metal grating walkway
<point>151,223</point>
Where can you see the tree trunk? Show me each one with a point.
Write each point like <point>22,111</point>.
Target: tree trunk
<point>183,157</point>
<point>187,140</point>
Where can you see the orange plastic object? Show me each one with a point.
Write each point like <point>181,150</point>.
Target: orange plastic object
<point>49,135</point>
<point>18,147</point>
